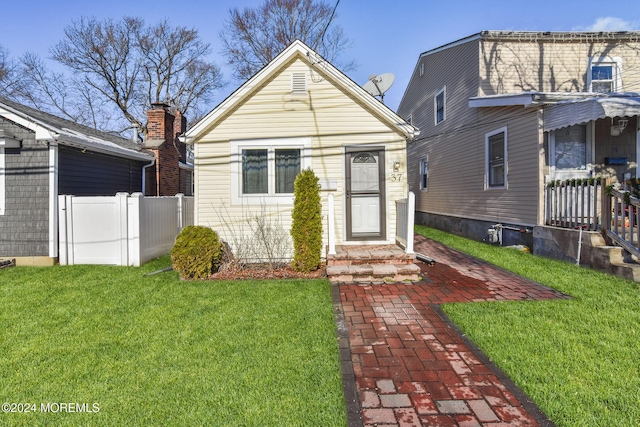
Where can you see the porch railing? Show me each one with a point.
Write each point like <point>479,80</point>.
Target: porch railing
<point>621,217</point>
<point>405,218</point>
<point>595,204</point>
<point>575,203</point>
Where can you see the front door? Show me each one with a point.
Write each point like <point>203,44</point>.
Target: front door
<point>365,193</point>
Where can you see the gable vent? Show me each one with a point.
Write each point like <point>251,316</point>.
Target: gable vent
<point>298,83</point>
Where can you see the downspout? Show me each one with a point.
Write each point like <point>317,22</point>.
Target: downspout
<point>53,197</point>
<point>144,175</point>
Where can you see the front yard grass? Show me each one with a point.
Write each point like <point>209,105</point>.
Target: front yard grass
<point>578,359</point>
<point>159,351</point>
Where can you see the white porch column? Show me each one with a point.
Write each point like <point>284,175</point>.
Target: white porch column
<point>332,231</point>
<point>411,216</point>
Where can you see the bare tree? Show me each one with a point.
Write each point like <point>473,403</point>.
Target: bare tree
<point>174,71</point>
<point>253,37</point>
<point>11,82</point>
<point>124,66</point>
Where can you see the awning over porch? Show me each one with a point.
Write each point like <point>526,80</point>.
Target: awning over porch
<point>576,111</point>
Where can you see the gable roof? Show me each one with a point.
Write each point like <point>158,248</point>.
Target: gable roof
<point>298,49</point>
<point>66,132</point>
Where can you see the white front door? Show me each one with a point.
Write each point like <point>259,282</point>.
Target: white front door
<point>365,194</point>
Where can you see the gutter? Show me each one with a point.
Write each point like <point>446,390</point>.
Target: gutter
<point>98,147</point>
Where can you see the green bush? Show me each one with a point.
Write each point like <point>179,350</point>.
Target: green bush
<point>306,229</point>
<point>197,252</point>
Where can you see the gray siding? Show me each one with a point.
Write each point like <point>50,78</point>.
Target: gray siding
<point>24,228</point>
<point>503,63</point>
<point>84,173</point>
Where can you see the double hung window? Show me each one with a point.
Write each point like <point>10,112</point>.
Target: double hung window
<point>267,169</point>
<point>439,106</point>
<point>496,159</point>
<point>424,174</point>
<point>605,75</point>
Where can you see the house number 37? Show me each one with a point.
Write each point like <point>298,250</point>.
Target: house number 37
<point>396,177</point>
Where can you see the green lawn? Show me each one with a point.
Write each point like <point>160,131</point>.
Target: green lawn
<point>578,359</point>
<point>159,351</point>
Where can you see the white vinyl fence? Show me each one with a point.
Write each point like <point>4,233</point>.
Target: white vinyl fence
<point>405,218</point>
<point>124,229</point>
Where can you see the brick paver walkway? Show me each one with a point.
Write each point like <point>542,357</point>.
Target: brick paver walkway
<point>405,365</point>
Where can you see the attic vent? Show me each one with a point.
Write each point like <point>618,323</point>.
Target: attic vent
<point>422,69</point>
<point>298,83</point>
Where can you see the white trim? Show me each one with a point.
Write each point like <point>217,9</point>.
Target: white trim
<point>237,198</point>
<point>46,132</point>
<point>2,181</point>
<point>637,146</point>
<point>524,99</point>
<point>616,61</point>
<point>486,159</point>
<point>315,62</point>
<point>564,174</point>
<point>442,92</point>
<point>424,170</point>
<point>53,201</point>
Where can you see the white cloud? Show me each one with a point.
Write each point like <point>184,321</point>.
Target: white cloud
<point>609,23</point>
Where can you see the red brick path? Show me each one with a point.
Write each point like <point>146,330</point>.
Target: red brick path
<point>412,368</point>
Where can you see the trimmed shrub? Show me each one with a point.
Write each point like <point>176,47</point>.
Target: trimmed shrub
<point>197,252</point>
<point>306,229</point>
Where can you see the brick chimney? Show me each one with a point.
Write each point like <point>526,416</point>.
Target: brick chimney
<point>163,129</point>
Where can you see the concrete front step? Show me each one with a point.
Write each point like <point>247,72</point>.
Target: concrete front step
<point>370,254</point>
<point>373,273</point>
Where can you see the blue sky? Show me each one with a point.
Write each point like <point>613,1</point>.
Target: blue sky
<point>387,36</point>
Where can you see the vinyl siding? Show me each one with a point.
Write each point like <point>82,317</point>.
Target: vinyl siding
<point>24,228</point>
<point>85,173</point>
<point>551,66</point>
<point>490,65</point>
<point>332,119</point>
<point>457,170</point>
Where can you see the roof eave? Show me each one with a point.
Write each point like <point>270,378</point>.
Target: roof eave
<point>302,50</point>
<point>76,142</point>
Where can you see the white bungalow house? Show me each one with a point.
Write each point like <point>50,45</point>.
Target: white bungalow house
<point>300,112</point>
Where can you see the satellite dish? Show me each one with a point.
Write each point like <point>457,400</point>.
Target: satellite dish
<point>378,85</point>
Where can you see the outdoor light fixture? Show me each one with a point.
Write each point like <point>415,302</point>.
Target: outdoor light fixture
<point>616,130</point>
<point>396,166</point>
<point>8,140</point>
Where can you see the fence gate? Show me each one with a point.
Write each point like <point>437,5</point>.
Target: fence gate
<point>120,230</point>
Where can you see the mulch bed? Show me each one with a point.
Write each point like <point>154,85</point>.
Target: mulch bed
<point>259,272</point>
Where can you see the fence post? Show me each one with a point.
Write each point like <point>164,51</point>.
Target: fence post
<point>411,214</point>
<point>65,229</point>
<point>332,232</point>
<point>606,204</point>
<point>133,227</point>
<point>180,207</point>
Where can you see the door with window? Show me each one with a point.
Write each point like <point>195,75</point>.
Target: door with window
<point>365,194</point>
<point>570,151</point>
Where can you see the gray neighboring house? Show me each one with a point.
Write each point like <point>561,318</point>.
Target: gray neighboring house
<point>503,113</point>
<point>43,156</point>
